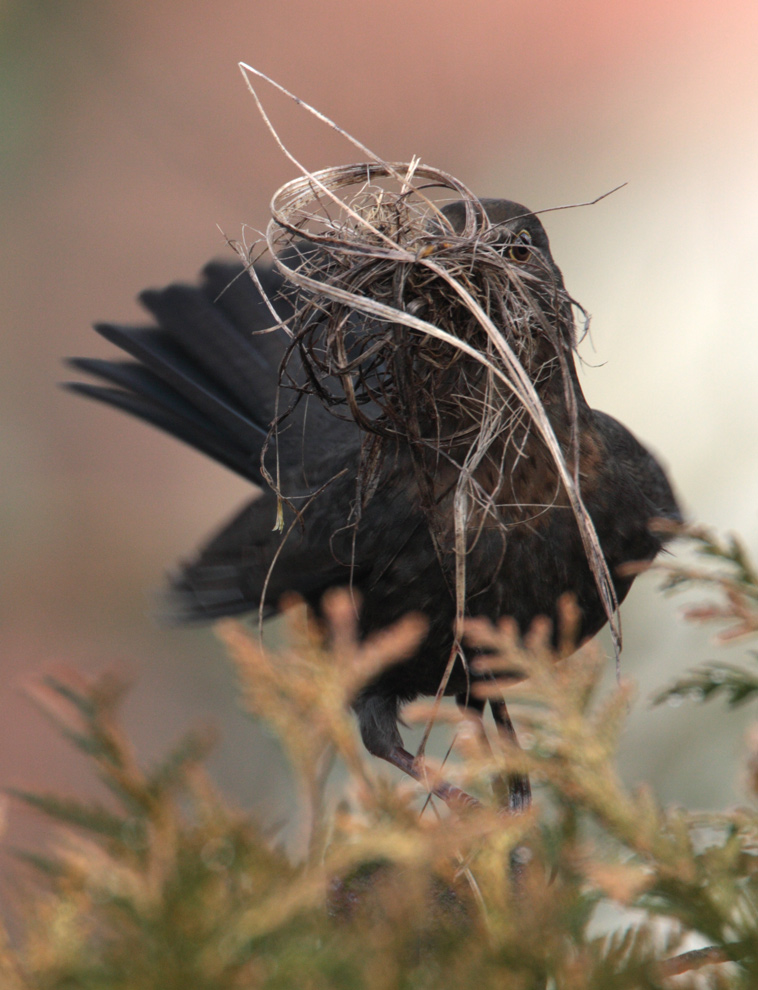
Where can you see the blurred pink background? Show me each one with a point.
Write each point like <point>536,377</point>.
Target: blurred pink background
<point>130,139</point>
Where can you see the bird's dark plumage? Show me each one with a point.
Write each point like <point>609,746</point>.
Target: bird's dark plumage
<point>203,374</point>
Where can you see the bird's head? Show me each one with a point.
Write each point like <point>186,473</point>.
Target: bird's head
<point>511,226</point>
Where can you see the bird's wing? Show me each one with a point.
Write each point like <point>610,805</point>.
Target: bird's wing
<point>637,468</point>
<point>304,544</point>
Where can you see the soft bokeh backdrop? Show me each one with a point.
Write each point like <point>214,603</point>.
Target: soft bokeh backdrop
<point>129,140</point>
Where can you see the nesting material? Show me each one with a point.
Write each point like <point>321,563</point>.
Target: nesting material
<point>443,306</point>
<point>426,328</point>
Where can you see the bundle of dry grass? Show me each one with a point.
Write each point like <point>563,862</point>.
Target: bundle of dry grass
<point>418,320</point>
<point>395,256</point>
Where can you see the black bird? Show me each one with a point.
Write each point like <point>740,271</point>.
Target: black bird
<point>203,375</point>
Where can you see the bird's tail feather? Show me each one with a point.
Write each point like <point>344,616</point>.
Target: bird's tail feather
<point>208,373</point>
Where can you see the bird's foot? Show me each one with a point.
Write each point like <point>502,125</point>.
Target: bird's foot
<point>416,767</point>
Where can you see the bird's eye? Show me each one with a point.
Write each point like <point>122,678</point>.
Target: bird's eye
<point>520,249</point>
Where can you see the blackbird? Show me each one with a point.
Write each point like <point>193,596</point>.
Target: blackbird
<point>202,374</point>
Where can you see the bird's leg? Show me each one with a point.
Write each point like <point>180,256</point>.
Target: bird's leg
<point>377,718</point>
<point>417,768</point>
<point>519,789</point>
<point>518,795</point>
<point>518,792</point>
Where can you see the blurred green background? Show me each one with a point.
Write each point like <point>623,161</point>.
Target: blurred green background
<point>129,139</point>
